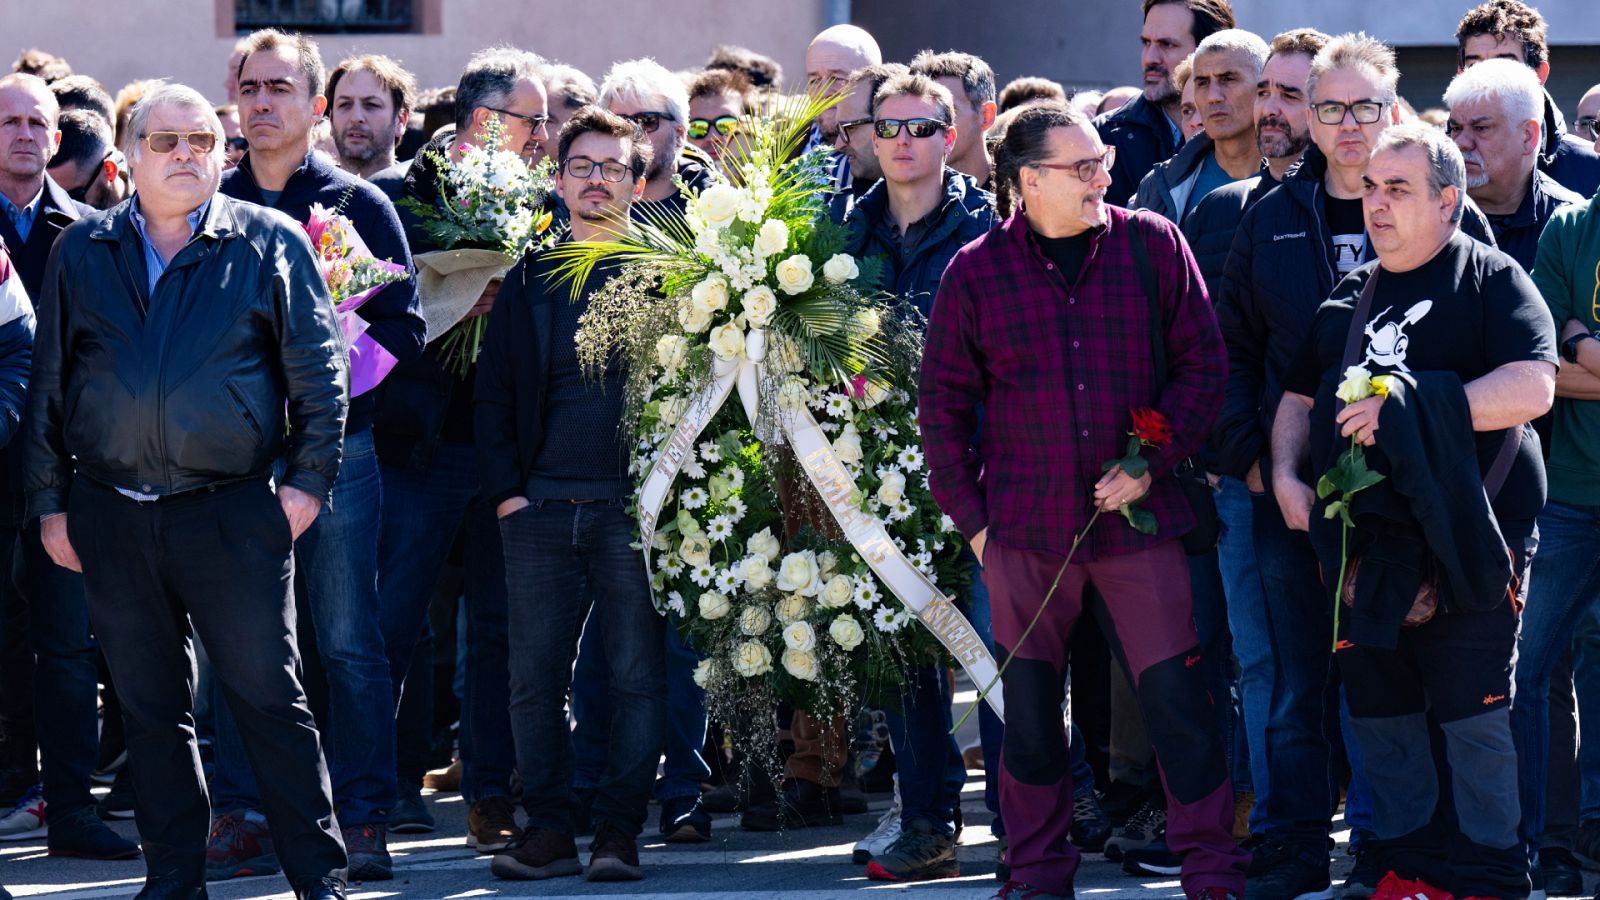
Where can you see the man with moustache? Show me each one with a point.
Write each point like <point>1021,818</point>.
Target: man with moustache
<point>1145,131</point>
<point>370,101</point>
<point>280,93</point>
<point>853,133</point>
<point>555,466</point>
<point>186,343</point>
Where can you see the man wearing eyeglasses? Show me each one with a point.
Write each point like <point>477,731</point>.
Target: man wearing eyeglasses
<point>186,343</point>
<point>646,93</point>
<point>719,99</point>
<point>555,467</point>
<point>88,164</point>
<point>852,134</point>
<point>1586,125</point>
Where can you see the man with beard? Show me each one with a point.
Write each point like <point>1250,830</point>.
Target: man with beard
<point>646,93</point>
<point>370,103</point>
<point>1145,131</point>
<point>554,464</point>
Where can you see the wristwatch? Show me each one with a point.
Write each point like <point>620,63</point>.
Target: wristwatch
<point>1569,347</point>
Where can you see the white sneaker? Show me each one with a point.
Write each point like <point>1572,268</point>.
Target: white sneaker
<point>887,832</point>
<point>26,819</point>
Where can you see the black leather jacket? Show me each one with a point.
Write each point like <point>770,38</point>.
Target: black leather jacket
<point>240,332</point>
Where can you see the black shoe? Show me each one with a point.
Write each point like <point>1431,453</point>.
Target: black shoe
<point>410,815</point>
<point>1362,882</point>
<point>613,855</point>
<point>170,888</point>
<point>83,835</point>
<point>1587,846</point>
<point>1090,825</point>
<point>1562,876</point>
<point>1002,868</point>
<point>1153,859</point>
<point>1142,829</point>
<point>685,821</point>
<point>118,803</point>
<point>1303,870</point>
<point>327,888</point>
<point>803,804</point>
<point>1266,854</point>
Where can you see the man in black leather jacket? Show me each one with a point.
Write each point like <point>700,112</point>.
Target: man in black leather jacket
<point>178,333</point>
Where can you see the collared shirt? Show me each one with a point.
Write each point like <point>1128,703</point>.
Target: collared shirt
<point>22,219</point>
<point>1056,368</point>
<point>1517,234</point>
<point>154,265</point>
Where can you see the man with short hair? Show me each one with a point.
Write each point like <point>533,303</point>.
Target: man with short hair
<point>555,465</point>
<point>1468,352</point>
<point>1586,124</point>
<point>853,139</point>
<point>719,100</point>
<point>1029,89</point>
<point>370,102</point>
<point>153,475</point>
<point>1004,339</point>
<point>569,90</point>
<point>763,72</point>
<point>648,94</point>
<point>280,89</point>
<point>971,82</point>
<point>1511,29</point>
<point>1145,131</point>
<point>83,92</point>
<point>88,165</point>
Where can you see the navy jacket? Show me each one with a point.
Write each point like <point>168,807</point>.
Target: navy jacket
<point>1517,235</point>
<point>1143,136</point>
<point>394,316</point>
<point>912,273</point>
<point>1567,158</point>
<point>1165,190</point>
<point>1211,224</point>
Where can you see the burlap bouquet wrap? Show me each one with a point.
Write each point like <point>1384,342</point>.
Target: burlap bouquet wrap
<point>451,281</point>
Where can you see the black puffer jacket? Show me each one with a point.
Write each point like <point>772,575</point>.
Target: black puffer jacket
<point>240,329</point>
<point>1143,136</point>
<point>1211,224</point>
<point>1277,274</point>
<point>912,273</point>
<point>1567,158</point>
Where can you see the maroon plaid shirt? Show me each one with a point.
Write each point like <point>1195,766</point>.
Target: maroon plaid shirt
<point>1055,369</point>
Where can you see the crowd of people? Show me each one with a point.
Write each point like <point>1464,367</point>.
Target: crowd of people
<point>270,615</point>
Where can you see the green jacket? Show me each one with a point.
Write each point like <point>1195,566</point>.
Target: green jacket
<point>1567,272</point>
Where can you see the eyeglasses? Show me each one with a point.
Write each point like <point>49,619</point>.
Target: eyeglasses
<point>844,128</point>
<point>889,129</point>
<point>724,125</point>
<point>167,141</point>
<point>1589,126</point>
<point>649,121</point>
<point>1331,112</point>
<point>583,167</point>
<point>533,122</point>
<point>1085,169</point>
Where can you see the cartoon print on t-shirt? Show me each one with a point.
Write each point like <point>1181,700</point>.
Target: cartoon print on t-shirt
<point>1387,344</point>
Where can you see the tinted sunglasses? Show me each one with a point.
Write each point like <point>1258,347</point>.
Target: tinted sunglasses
<point>167,141</point>
<point>889,129</point>
<point>724,125</point>
<point>649,121</point>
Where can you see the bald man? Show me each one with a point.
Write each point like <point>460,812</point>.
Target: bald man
<point>837,52</point>
<point>1584,126</point>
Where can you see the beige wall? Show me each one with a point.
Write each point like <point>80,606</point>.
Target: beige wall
<point>180,39</point>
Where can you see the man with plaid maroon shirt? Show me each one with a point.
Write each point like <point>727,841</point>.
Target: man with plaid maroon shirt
<point>1044,324</point>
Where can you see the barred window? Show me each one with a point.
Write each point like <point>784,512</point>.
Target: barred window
<point>324,15</point>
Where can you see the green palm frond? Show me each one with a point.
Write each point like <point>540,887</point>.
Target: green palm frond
<point>829,335</point>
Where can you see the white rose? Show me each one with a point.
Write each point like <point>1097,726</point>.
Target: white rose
<point>672,409</point>
<point>694,316</point>
<point>846,632</point>
<point>727,341</point>
<point>712,293</point>
<point>841,268</point>
<point>754,572</point>
<point>847,446</point>
<point>800,636</point>
<point>703,672</point>
<point>837,592</point>
<point>798,573</point>
<point>892,488</point>
<point>754,620</point>
<point>792,608</point>
<point>868,323</point>
<point>773,238</point>
<point>695,551</point>
<point>671,351</point>
<point>793,395</point>
<point>751,659</point>
<point>827,564</point>
<point>714,606</point>
<point>802,664</point>
<point>794,275</point>
<point>764,544</point>
<point>718,205</point>
<point>760,304</point>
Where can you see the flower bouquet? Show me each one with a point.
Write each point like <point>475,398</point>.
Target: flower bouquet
<point>491,211</point>
<point>353,276</point>
<point>791,535</point>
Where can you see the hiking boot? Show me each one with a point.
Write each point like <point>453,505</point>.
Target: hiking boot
<point>1393,887</point>
<point>1154,859</point>
<point>1091,828</point>
<point>875,844</point>
<point>81,834</point>
<point>446,780</point>
<point>368,849</point>
<point>1363,879</point>
<point>26,818</point>
<point>410,815</point>
<point>613,855</point>
<point>801,805</point>
<point>922,852</point>
<point>1562,876</point>
<point>1147,824</point>
<point>1016,890</point>
<point>685,821</point>
<point>1303,871</point>
<point>1002,866</point>
<point>536,854</point>
<point>492,826</point>
<point>1243,803</point>
<point>239,844</point>
<point>118,803</point>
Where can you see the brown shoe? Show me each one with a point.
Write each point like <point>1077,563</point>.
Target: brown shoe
<point>1243,802</point>
<point>613,856</point>
<point>492,825</point>
<point>537,853</point>
<point>446,780</point>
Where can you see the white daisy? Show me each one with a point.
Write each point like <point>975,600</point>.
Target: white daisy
<point>947,524</point>
<point>734,475</point>
<point>720,528</point>
<point>884,620</point>
<point>910,459</point>
<point>693,469</point>
<point>675,602</point>
<point>923,562</point>
<point>693,498</point>
<point>883,430</point>
<point>866,595</point>
<point>830,427</point>
<point>710,452</point>
<point>702,574</point>
<point>837,405</point>
<point>902,511</point>
<point>671,566</point>
<point>727,581</point>
<point>733,509</point>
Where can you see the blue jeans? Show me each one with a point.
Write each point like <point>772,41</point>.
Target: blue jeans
<point>1586,679</point>
<point>338,558</point>
<point>683,742</point>
<point>1246,604</point>
<point>926,755</point>
<point>1563,587</point>
<point>561,559</point>
<point>423,511</point>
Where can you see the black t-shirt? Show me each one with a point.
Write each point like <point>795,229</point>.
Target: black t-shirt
<point>1068,253</point>
<point>1347,233</point>
<point>1469,310</point>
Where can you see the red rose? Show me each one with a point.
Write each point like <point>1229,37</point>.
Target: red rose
<point>1151,427</point>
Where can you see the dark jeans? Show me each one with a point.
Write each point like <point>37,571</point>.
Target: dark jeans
<point>219,561</point>
<point>561,558</point>
<point>926,754</point>
<point>338,558</point>
<point>423,510</point>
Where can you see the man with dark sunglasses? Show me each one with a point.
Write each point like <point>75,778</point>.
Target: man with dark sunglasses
<point>852,133</point>
<point>718,100</point>
<point>647,94</point>
<point>88,164</point>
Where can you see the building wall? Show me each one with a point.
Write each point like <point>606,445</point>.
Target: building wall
<point>189,40</point>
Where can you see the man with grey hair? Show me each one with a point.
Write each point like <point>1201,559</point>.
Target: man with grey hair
<point>186,343</point>
<point>1227,66</point>
<point>1438,549</point>
<point>646,93</point>
<point>569,89</point>
<point>1496,119</point>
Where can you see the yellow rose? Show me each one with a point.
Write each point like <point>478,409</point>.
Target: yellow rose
<point>1356,386</point>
